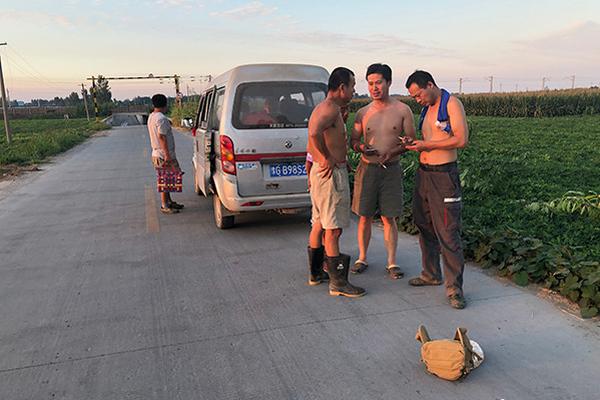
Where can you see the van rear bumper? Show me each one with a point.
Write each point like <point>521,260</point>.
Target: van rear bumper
<point>235,203</point>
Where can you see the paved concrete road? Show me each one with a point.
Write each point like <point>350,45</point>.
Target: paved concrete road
<point>102,298</point>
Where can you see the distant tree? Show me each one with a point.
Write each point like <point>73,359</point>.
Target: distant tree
<point>73,99</point>
<point>57,101</point>
<point>103,94</point>
<point>38,102</point>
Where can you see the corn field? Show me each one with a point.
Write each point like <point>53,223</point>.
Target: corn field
<point>555,103</point>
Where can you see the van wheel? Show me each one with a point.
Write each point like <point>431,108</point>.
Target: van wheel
<point>222,222</point>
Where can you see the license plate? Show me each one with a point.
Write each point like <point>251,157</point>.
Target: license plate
<point>287,169</point>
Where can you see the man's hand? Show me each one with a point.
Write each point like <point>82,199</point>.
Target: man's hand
<point>418,145</point>
<point>326,170</point>
<point>369,151</point>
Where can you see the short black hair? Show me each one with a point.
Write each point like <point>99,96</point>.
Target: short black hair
<point>421,78</point>
<point>159,101</point>
<point>339,76</point>
<point>378,68</point>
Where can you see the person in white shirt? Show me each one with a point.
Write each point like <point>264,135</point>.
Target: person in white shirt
<point>163,147</point>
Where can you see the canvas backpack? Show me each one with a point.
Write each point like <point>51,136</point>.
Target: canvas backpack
<point>448,359</point>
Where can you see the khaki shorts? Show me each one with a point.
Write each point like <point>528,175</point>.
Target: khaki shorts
<point>330,198</point>
<point>160,163</point>
<point>378,188</point>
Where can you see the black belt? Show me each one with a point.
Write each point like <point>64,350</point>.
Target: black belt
<point>375,164</point>
<point>439,168</point>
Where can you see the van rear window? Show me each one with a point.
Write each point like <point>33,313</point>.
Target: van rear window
<point>264,105</point>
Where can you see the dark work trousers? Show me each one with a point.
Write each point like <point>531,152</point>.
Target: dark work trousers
<point>437,205</point>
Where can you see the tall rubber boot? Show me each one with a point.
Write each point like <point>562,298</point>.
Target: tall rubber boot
<point>316,275</point>
<point>337,268</point>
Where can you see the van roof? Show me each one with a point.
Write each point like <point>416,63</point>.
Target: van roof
<point>271,72</point>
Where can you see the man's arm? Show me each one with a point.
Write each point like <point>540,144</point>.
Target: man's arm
<point>162,140</point>
<point>460,131</point>
<point>316,132</point>
<point>163,130</point>
<point>409,124</point>
<point>357,132</point>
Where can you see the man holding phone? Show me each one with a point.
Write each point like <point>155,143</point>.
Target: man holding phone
<point>383,125</point>
<point>437,198</point>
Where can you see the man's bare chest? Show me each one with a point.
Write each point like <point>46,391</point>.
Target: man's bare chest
<point>383,123</point>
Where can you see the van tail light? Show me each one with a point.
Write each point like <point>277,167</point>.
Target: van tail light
<point>194,131</point>
<point>227,155</point>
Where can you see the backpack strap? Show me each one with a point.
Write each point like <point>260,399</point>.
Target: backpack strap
<point>461,336</point>
<point>422,335</point>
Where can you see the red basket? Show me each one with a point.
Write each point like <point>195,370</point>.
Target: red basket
<point>169,180</point>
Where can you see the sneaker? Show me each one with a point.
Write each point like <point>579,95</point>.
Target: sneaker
<point>168,210</point>
<point>176,206</point>
<point>457,301</point>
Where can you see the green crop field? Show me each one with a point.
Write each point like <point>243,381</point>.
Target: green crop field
<point>531,190</point>
<point>35,140</point>
<point>549,103</point>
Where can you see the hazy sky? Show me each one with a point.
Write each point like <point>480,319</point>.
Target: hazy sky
<point>54,45</point>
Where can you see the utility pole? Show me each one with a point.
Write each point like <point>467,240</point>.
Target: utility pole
<point>460,81</point>
<point>572,77</point>
<point>177,92</point>
<point>94,98</point>
<point>491,79</point>
<point>544,79</point>
<point>516,87</point>
<point>84,95</point>
<point>4,110</point>
<point>500,87</point>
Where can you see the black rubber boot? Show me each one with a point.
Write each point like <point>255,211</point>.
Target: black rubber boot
<point>316,275</point>
<point>338,277</point>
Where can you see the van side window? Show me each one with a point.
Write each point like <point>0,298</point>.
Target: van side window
<point>217,108</point>
<point>206,109</point>
<point>199,112</point>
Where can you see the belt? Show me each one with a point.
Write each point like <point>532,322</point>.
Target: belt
<point>375,164</point>
<point>439,168</point>
<point>340,164</point>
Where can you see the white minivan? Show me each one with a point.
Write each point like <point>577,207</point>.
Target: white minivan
<point>250,137</point>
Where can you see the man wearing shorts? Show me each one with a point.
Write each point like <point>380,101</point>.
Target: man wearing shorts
<point>381,125</point>
<point>437,199</point>
<point>163,147</point>
<point>329,187</point>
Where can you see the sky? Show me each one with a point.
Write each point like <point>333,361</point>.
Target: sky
<point>53,46</point>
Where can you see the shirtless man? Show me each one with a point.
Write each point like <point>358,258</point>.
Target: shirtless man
<point>437,199</point>
<point>378,180</point>
<point>329,188</point>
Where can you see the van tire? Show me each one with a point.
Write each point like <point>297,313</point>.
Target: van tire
<point>222,222</point>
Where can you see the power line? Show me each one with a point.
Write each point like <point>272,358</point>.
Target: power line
<point>10,48</point>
